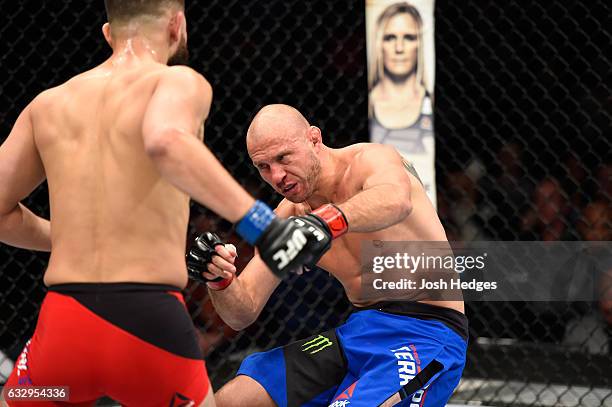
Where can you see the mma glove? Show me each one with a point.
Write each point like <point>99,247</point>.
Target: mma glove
<point>331,217</point>
<point>198,258</point>
<point>287,244</point>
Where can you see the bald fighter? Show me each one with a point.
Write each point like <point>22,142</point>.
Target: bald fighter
<point>121,148</point>
<point>388,352</point>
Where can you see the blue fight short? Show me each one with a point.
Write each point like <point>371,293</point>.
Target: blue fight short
<point>396,354</point>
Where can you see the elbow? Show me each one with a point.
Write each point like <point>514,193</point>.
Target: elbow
<point>158,144</point>
<point>238,324</point>
<point>404,205</point>
<point>3,226</point>
<point>6,220</point>
<point>235,325</point>
<point>7,206</point>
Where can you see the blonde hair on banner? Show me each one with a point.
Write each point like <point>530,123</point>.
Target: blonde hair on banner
<point>376,70</point>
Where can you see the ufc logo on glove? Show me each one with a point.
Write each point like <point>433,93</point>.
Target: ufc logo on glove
<point>284,256</point>
<point>316,232</point>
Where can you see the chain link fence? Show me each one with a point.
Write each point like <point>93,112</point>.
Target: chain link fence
<point>523,140</point>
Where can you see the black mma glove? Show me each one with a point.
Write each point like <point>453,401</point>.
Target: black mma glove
<point>288,244</point>
<point>285,244</point>
<point>200,255</point>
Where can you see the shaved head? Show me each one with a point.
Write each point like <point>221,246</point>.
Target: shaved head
<point>285,149</point>
<point>278,121</point>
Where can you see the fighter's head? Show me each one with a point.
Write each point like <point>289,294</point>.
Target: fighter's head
<point>285,149</point>
<point>164,19</point>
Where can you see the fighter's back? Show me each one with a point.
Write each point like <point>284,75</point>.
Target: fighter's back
<point>113,218</point>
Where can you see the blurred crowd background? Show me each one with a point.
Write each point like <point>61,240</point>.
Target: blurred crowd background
<point>523,117</point>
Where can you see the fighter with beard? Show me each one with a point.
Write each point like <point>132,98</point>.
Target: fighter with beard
<point>121,148</point>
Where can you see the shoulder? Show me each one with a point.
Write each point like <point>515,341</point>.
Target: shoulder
<point>364,160</point>
<point>54,96</point>
<point>46,99</point>
<point>181,72</point>
<point>375,94</point>
<point>184,73</point>
<point>184,77</point>
<point>374,160</point>
<point>367,153</point>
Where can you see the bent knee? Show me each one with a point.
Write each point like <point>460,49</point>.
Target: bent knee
<point>243,391</point>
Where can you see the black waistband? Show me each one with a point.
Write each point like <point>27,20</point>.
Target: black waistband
<point>453,319</point>
<point>72,288</point>
<point>150,312</point>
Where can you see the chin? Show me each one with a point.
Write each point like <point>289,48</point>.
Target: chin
<point>401,71</point>
<point>295,199</point>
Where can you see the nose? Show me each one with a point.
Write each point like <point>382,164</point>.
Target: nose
<point>278,174</point>
<point>399,46</point>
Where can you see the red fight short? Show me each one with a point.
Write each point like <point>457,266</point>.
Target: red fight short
<point>134,343</point>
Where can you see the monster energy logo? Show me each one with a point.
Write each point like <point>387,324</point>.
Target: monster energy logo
<point>317,344</point>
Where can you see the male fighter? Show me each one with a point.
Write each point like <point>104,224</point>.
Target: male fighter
<point>387,352</point>
<point>121,148</point>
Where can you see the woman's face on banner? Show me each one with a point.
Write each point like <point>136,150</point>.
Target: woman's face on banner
<point>400,45</point>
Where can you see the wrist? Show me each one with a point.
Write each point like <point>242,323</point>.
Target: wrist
<point>334,218</point>
<point>255,222</point>
<point>220,285</point>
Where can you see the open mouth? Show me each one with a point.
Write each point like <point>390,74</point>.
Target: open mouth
<point>288,188</point>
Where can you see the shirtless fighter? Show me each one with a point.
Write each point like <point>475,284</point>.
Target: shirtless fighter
<point>121,148</point>
<point>387,353</point>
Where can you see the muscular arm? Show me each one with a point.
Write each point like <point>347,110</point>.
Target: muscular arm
<point>172,130</point>
<point>21,171</point>
<point>385,196</point>
<point>240,304</point>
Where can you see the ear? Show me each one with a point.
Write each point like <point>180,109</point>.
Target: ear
<point>106,30</point>
<point>177,26</point>
<point>184,24</point>
<point>314,136</point>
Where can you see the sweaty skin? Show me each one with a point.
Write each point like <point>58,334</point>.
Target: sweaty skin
<point>343,259</point>
<point>121,148</point>
<point>381,199</point>
<point>110,208</point>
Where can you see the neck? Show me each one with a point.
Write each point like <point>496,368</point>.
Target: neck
<point>329,178</point>
<point>137,47</point>
<point>396,88</point>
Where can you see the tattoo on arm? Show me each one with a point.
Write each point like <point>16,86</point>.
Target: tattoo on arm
<point>410,168</point>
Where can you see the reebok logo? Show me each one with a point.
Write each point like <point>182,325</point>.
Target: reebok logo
<point>178,400</point>
<point>23,369</point>
<point>317,344</point>
<point>343,399</point>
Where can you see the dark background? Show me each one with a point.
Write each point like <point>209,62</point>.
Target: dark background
<point>523,128</point>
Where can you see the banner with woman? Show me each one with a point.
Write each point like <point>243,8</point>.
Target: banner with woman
<point>401,70</point>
